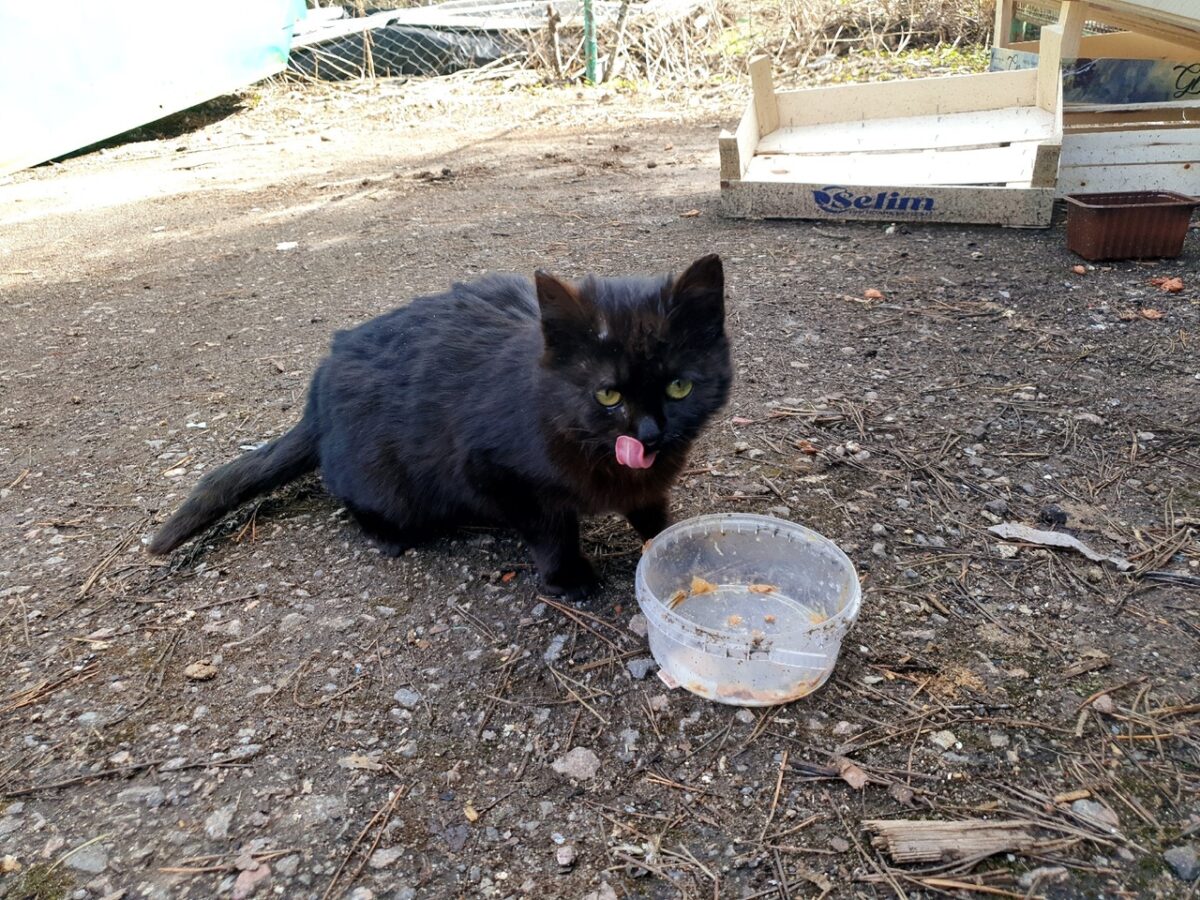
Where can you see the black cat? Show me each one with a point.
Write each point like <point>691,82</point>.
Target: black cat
<point>508,401</point>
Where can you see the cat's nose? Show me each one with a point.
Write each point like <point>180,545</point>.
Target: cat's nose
<point>649,433</point>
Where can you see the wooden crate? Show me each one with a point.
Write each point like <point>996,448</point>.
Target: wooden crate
<point>967,148</point>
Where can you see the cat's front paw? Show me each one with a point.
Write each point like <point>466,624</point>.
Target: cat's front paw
<point>573,583</point>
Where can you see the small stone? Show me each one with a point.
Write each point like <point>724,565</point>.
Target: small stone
<point>288,866</point>
<point>901,503</point>
<point>88,719</point>
<point>879,529</point>
<point>1183,862</point>
<point>1103,704</point>
<point>780,512</point>
<point>637,624</point>
<point>1007,551</point>
<point>92,859</point>
<point>639,668</point>
<point>292,622</point>
<point>1043,875</point>
<point>216,826</point>
<point>997,507</point>
<point>232,628</point>
<point>1090,418</point>
<point>150,795</point>
<point>843,729</point>
<point>1097,812</point>
<point>381,859</point>
<point>1094,574</point>
<point>998,739</point>
<point>745,717</point>
<point>944,739</point>
<point>200,671</point>
<point>580,763</point>
<point>1146,436</point>
<point>604,892</point>
<point>565,856</point>
<point>555,649</point>
<point>879,548</point>
<point>407,698</point>
<point>361,893</point>
<point>840,844</point>
<point>248,881</point>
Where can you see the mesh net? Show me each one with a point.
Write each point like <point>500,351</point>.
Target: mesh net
<point>334,43</point>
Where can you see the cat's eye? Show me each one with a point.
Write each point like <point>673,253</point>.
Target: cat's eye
<point>679,388</point>
<point>608,397</point>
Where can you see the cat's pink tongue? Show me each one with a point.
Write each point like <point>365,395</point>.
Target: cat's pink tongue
<point>630,452</point>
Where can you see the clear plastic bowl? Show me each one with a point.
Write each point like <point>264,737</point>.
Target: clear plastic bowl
<point>767,627</point>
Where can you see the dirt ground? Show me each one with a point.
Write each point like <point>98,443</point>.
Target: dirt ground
<point>279,710</point>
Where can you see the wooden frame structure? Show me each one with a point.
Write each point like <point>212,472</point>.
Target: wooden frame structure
<point>1120,143</point>
<point>1171,22</point>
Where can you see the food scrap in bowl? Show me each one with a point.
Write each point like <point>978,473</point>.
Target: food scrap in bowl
<point>763,588</point>
<point>700,586</point>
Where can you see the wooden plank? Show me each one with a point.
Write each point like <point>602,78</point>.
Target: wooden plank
<point>731,160</point>
<point>1180,177</point>
<point>1180,13</point>
<point>1045,165</point>
<point>1121,45</point>
<point>1147,159</point>
<point>1134,148</point>
<point>736,155</point>
<point>1126,118</point>
<point>919,97</point>
<point>1002,24</point>
<point>1025,207</point>
<point>1049,69</point>
<point>984,165</point>
<point>969,129</point>
<point>1070,19</point>
<point>766,104</point>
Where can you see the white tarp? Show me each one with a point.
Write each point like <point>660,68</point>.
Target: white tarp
<point>76,72</point>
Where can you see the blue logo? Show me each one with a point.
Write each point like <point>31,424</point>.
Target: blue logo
<point>835,199</point>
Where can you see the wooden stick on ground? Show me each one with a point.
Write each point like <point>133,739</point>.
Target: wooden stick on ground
<point>916,840</point>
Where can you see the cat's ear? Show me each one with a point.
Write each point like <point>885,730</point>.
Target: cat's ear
<point>566,314</point>
<point>698,299</point>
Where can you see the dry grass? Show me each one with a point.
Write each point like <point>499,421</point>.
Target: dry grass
<point>823,36</point>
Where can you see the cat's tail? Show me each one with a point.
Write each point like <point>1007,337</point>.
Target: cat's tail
<point>223,489</point>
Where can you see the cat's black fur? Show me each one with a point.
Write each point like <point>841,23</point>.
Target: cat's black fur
<point>478,405</point>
